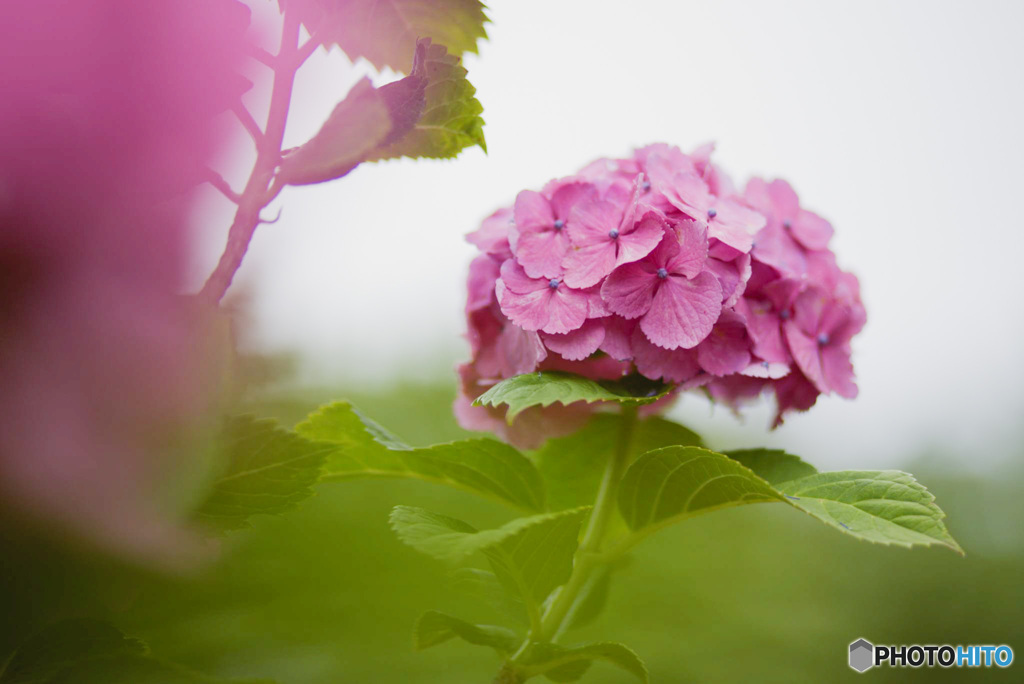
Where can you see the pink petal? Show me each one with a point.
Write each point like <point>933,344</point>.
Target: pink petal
<point>726,349</point>
<point>617,334</point>
<point>596,307</point>
<point>492,236</point>
<point>807,355</point>
<point>569,195</point>
<point>541,253</point>
<point>811,230</point>
<point>732,276</point>
<point>514,278</point>
<point>785,203</point>
<point>629,290</point>
<point>640,240</point>
<point>678,365</point>
<point>690,195</point>
<point>774,246</point>
<point>735,224</point>
<point>567,310</point>
<point>533,212</point>
<point>483,274</point>
<point>585,266</point>
<point>793,392</point>
<point>837,370</point>
<point>683,311</point>
<point>693,248</point>
<point>519,351</point>
<point>765,329</point>
<point>590,222</point>
<point>578,344</point>
<point>530,311</point>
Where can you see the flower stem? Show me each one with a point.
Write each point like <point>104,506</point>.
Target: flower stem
<point>588,556</point>
<point>256,195</point>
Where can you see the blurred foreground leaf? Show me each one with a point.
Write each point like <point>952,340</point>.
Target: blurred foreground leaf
<point>545,388</point>
<point>382,31</point>
<point>268,470</point>
<point>450,119</point>
<point>481,466</point>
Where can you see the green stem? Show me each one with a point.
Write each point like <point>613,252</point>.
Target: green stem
<point>588,555</point>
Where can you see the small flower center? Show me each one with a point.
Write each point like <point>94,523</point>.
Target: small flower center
<point>787,224</point>
<point>554,283</point>
<point>613,233</point>
<point>765,365</point>
<point>823,339</point>
<point>784,314</point>
<point>645,186</point>
<point>559,224</point>
<point>662,273</point>
<point>712,213</point>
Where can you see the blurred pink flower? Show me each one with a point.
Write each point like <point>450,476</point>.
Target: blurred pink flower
<point>103,120</point>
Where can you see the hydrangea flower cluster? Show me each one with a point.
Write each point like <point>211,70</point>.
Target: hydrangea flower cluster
<point>656,264</point>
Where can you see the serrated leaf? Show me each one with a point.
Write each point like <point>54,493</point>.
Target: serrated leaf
<point>881,506</point>
<point>572,466</point>
<point>268,470</point>
<point>530,556</point>
<point>545,388</point>
<point>383,31</point>
<point>669,484</point>
<point>481,466</point>
<point>450,119</point>
<point>566,664</point>
<point>773,465</point>
<point>64,645</point>
<point>435,628</point>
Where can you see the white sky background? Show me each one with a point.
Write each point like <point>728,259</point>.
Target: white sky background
<point>901,122</point>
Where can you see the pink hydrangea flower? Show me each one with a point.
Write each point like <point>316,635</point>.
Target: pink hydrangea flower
<point>657,267</point>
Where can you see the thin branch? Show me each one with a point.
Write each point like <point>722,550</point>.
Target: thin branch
<point>249,123</point>
<point>309,47</point>
<point>268,155</point>
<point>262,56</point>
<point>217,181</point>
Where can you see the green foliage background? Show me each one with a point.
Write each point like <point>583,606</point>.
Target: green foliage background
<point>326,593</point>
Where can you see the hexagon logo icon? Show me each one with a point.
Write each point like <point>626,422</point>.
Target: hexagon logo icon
<point>862,655</point>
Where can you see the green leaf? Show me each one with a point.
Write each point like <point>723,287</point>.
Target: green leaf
<point>63,645</point>
<point>358,124</point>
<point>484,586</point>
<point>269,470</point>
<point>135,669</point>
<point>592,598</point>
<point>450,119</point>
<point>530,556</point>
<point>572,466</point>
<point>881,506</point>
<point>773,465</point>
<point>673,483</point>
<point>434,628</point>
<point>481,466</point>
<point>545,388</point>
<point>566,664</point>
<point>383,31</point>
